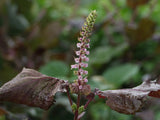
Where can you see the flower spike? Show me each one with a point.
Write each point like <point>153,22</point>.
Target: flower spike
<point>82,53</point>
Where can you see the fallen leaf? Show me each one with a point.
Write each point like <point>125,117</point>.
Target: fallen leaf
<point>31,88</point>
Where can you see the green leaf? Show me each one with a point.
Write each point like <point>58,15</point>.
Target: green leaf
<point>119,74</point>
<point>104,54</point>
<point>119,116</point>
<point>17,22</point>
<point>157,116</point>
<point>99,111</point>
<point>2,117</point>
<point>57,69</point>
<point>100,82</point>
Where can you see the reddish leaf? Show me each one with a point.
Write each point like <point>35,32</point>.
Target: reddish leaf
<point>31,88</point>
<point>141,32</point>
<point>130,101</point>
<point>135,3</point>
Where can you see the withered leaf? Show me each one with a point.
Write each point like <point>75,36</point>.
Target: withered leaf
<point>31,88</point>
<point>130,101</point>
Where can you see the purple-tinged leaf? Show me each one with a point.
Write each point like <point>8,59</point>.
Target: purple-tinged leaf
<point>130,101</point>
<point>32,88</point>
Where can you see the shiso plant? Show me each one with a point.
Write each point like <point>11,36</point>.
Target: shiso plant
<point>34,89</point>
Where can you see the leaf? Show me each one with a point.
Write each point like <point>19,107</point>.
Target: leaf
<point>146,27</point>
<point>31,88</point>
<point>17,22</point>
<point>119,74</point>
<point>98,111</point>
<point>49,34</point>
<point>106,53</point>
<point>100,82</point>
<point>130,101</point>
<point>141,32</point>
<point>55,68</point>
<point>135,3</point>
<point>4,70</point>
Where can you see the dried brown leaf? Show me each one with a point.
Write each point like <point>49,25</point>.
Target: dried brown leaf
<point>31,88</point>
<point>130,101</point>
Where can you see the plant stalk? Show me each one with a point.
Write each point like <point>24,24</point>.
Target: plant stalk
<point>87,103</point>
<point>78,103</point>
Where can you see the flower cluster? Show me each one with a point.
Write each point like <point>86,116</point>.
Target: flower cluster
<point>82,59</point>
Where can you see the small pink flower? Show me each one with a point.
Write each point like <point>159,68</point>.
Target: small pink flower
<point>84,65</point>
<point>82,33</point>
<point>80,87</point>
<point>88,40</point>
<point>78,53</point>
<point>82,55</point>
<point>81,71</point>
<point>80,39</point>
<point>85,80</point>
<point>74,66</point>
<point>76,60</point>
<point>79,45</point>
<point>80,77</point>
<point>87,45</point>
<point>84,49</point>
<point>87,52</point>
<point>85,72</point>
<point>85,59</point>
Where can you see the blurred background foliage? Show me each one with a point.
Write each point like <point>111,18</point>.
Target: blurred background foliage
<point>41,34</point>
